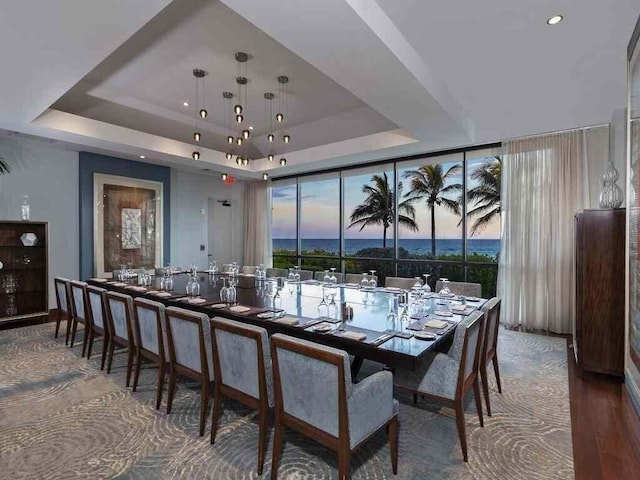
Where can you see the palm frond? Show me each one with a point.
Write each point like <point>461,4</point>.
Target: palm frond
<point>4,166</point>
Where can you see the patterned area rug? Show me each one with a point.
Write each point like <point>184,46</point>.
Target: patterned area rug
<point>62,418</point>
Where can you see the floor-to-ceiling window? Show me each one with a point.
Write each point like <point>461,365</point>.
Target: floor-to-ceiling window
<point>436,215</point>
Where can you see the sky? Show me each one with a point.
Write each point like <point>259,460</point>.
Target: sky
<point>320,216</point>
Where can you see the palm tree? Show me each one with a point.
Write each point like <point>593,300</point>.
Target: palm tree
<point>4,166</point>
<point>485,196</point>
<point>379,209</point>
<point>430,183</point>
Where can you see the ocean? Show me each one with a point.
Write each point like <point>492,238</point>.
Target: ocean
<point>418,246</point>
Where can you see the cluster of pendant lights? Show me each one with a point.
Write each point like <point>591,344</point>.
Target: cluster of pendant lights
<point>239,111</point>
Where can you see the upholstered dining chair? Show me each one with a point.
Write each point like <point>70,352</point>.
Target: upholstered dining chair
<point>190,354</point>
<point>449,376</point>
<point>119,309</point>
<point>489,347</point>
<point>400,282</point>
<point>276,272</point>
<point>242,365</point>
<point>97,313</point>
<point>305,275</point>
<point>320,276</point>
<point>79,307</point>
<point>357,277</point>
<point>151,331</point>
<point>333,411</point>
<point>462,288</point>
<point>63,294</point>
<point>249,270</point>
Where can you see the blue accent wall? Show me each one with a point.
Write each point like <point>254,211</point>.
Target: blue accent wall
<point>91,163</point>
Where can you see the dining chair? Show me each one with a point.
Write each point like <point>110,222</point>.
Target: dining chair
<point>150,327</point>
<point>242,366</point>
<point>332,411</point>
<point>320,276</point>
<point>63,294</point>
<point>249,270</point>
<point>447,377</point>
<point>97,314</point>
<point>305,275</point>
<point>462,288</point>
<point>357,277</point>
<point>190,354</point>
<point>400,282</point>
<point>79,312</point>
<point>276,272</point>
<point>119,308</point>
<point>489,347</point>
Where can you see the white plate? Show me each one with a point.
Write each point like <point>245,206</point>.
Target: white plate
<point>322,328</point>
<point>218,305</point>
<point>443,313</point>
<point>424,336</point>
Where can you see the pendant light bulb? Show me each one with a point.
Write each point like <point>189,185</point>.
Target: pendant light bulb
<point>270,157</point>
<point>279,116</point>
<point>239,140</point>
<point>286,138</point>
<point>197,136</point>
<point>195,155</point>
<point>237,109</point>
<point>224,177</point>
<point>246,134</point>
<point>283,162</point>
<point>270,137</point>
<point>265,176</point>
<point>239,118</point>
<point>238,160</point>
<point>230,139</point>
<point>203,113</point>
<point>229,155</point>
<point>245,161</point>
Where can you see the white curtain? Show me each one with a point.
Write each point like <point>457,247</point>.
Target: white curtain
<point>257,224</point>
<point>544,182</point>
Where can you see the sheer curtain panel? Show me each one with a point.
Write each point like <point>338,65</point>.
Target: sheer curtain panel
<point>545,181</point>
<point>257,224</point>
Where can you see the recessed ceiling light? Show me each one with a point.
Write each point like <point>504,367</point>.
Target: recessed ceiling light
<point>250,127</point>
<point>142,156</point>
<point>555,20</point>
<point>185,104</point>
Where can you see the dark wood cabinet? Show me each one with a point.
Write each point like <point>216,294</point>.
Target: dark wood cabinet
<point>23,270</point>
<point>600,279</point>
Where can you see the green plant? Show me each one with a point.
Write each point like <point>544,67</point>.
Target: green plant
<point>485,196</point>
<point>4,166</point>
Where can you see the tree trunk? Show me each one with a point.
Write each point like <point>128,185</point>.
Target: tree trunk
<point>433,230</point>
<point>384,236</point>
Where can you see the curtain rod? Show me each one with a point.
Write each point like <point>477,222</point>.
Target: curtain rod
<point>589,127</point>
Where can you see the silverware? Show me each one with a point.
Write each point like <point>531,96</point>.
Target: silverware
<point>381,339</point>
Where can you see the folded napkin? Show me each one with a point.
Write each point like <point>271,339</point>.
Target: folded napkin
<point>265,315</point>
<point>101,280</point>
<point>438,324</point>
<point>119,284</point>
<point>137,289</point>
<point>393,289</point>
<point>239,309</point>
<point>357,336</point>
<point>161,294</point>
<point>218,305</point>
<point>443,313</point>
<point>458,308</point>
<point>351,285</point>
<point>197,300</point>
<point>287,320</point>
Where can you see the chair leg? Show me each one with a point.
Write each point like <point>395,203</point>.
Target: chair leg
<point>393,444</point>
<point>415,398</point>
<point>73,331</point>
<point>204,404</point>
<point>497,371</point>
<point>55,335</point>
<point>69,322</point>
<point>476,395</point>
<point>160,384</point>
<point>105,346</point>
<point>485,387</point>
<point>277,448</point>
<point>215,415</point>
<point>137,371</point>
<point>262,438</point>
<point>344,459</point>
<point>459,408</point>
<point>91,337</point>
<point>112,347</point>
<point>130,355</point>
<point>172,387</point>
<point>85,338</point>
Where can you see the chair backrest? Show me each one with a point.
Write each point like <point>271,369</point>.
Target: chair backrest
<point>492,325</point>
<point>249,270</point>
<point>467,346</point>
<point>276,272</point>
<point>357,277</point>
<point>79,300</point>
<point>95,296</point>
<point>242,358</point>
<point>189,336</point>
<point>311,381</point>
<point>119,309</point>
<point>320,276</point>
<point>226,268</point>
<point>462,288</point>
<point>150,325</point>
<point>400,282</point>
<point>63,292</point>
<point>305,275</point>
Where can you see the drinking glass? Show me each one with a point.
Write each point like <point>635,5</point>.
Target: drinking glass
<point>232,294</point>
<point>333,278</point>
<point>445,287</point>
<point>224,291</point>
<point>327,277</point>
<point>426,288</point>
<point>291,277</point>
<point>332,308</point>
<point>296,274</point>
<point>405,317</point>
<point>373,283</point>
<point>417,285</point>
<point>417,308</point>
<point>364,283</point>
<point>323,308</point>
<point>392,316</point>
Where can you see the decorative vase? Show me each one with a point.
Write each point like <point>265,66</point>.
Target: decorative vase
<point>611,195</point>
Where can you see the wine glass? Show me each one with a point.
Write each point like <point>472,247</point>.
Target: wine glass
<point>364,283</point>
<point>224,291</point>
<point>405,317</point>
<point>323,308</point>
<point>444,291</point>
<point>417,285</point>
<point>332,307</point>
<point>327,277</point>
<point>392,316</point>
<point>296,274</point>
<point>333,278</point>
<point>373,283</point>
<point>426,288</point>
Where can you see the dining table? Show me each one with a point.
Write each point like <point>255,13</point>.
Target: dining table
<point>360,325</point>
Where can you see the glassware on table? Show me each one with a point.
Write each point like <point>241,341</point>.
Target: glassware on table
<point>365,296</point>
<point>405,317</point>
<point>327,277</point>
<point>296,274</point>
<point>224,291</point>
<point>193,287</point>
<point>333,279</point>
<point>392,316</point>
<point>232,294</point>
<point>373,283</point>
<point>426,288</point>
<point>332,308</point>
<point>417,285</point>
<point>26,209</point>
<point>417,307</point>
<point>291,277</point>
<point>323,308</point>
<point>364,283</point>
<point>445,287</point>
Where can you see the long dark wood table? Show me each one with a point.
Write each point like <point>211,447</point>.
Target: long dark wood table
<point>301,300</point>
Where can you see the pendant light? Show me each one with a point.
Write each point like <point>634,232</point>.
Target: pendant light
<point>197,136</point>
<point>265,176</point>
<point>224,177</point>
<point>195,155</point>
<point>286,138</point>
<point>227,96</point>
<point>246,134</point>
<point>283,162</point>
<point>199,75</point>
<point>270,157</point>
<point>282,80</point>
<point>229,155</point>
<point>239,141</point>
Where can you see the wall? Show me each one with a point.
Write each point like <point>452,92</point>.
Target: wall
<point>49,175</point>
<point>190,194</point>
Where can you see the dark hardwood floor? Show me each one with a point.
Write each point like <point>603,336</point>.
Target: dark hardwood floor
<point>605,426</point>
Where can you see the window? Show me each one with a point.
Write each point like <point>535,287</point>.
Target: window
<point>283,228</point>
<point>320,216</point>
